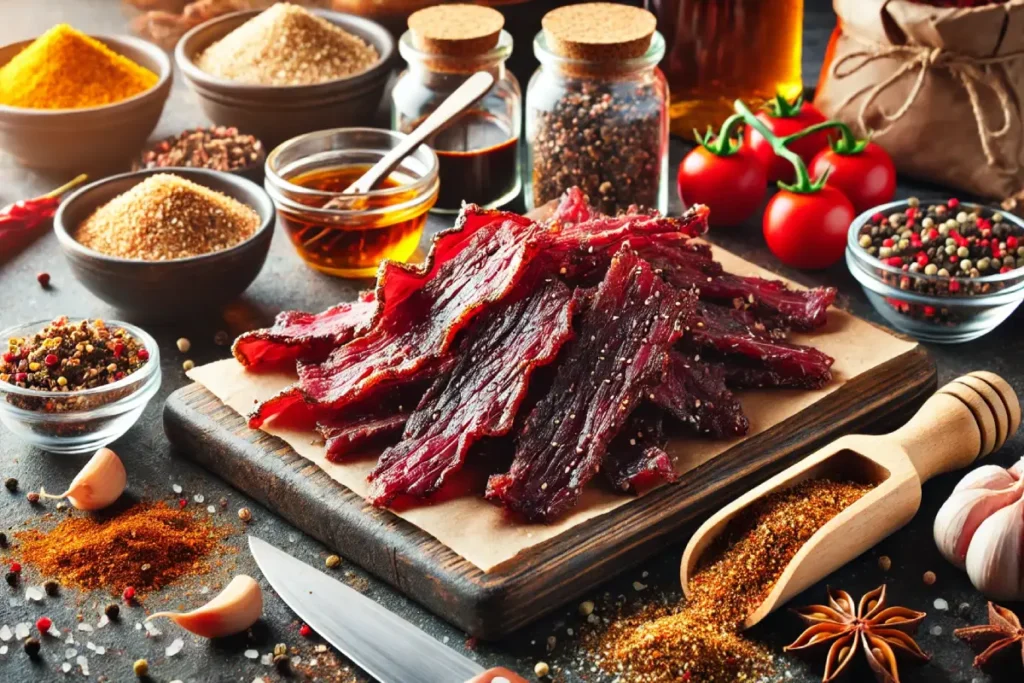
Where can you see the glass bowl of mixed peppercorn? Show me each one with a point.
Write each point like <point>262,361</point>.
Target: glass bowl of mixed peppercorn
<point>73,387</point>
<point>942,271</point>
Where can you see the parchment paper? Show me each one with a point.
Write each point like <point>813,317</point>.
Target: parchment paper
<point>478,530</point>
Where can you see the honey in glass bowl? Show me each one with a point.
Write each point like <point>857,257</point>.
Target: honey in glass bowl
<point>348,235</point>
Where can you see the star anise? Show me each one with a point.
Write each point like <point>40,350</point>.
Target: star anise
<point>1001,641</point>
<point>884,634</point>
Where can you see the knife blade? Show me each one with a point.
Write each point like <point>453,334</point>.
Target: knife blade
<point>381,643</point>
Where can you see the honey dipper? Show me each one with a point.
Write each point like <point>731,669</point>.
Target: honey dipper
<point>967,419</point>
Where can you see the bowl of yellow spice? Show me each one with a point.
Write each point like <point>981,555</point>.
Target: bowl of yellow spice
<point>69,101</point>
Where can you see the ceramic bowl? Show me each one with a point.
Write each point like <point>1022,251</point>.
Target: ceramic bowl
<point>85,420</point>
<point>921,305</point>
<point>277,113</point>
<point>166,290</point>
<point>92,138</point>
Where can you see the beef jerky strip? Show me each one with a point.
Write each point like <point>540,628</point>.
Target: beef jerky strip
<point>480,396</point>
<point>619,353</point>
<point>770,299</point>
<point>412,335</point>
<point>695,393</point>
<point>750,373</point>
<point>307,336</point>
<point>636,459</point>
<point>728,332</point>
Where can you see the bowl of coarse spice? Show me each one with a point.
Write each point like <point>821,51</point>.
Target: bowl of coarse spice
<point>75,102</point>
<point>941,270</point>
<point>165,244</point>
<point>287,70</point>
<point>73,386</point>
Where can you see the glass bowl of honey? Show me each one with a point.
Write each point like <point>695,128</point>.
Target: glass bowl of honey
<point>348,235</point>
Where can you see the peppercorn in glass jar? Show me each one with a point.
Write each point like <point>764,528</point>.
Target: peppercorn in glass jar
<point>479,151</point>
<point>597,109</point>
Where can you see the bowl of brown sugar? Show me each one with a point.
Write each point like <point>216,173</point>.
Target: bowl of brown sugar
<point>287,70</point>
<point>166,244</point>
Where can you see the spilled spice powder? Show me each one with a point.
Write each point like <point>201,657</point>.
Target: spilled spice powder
<point>146,546</point>
<point>701,641</point>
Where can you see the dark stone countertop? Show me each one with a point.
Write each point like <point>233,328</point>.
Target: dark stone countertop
<point>285,283</point>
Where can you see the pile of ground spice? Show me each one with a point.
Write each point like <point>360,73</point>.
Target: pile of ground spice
<point>166,217</point>
<point>65,356</point>
<point>144,547</point>
<point>65,69</point>
<point>701,641</point>
<point>287,45</point>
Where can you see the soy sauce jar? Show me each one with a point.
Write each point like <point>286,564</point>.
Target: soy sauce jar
<point>479,151</point>
<point>597,109</point>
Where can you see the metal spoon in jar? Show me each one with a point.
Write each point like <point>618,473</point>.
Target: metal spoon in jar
<point>464,96</point>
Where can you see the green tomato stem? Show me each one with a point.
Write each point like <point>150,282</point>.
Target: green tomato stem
<point>847,143</point>
<point>803,184</point>
<point>726,142</point>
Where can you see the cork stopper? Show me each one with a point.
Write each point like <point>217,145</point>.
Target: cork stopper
<point>599,31</point>
<point>456,30</point>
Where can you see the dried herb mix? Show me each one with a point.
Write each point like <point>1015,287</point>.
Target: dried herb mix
<point>702,640</point>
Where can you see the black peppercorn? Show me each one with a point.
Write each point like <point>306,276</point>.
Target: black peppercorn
<point>51,587</point>
<point>12,578</point>
<point>11,483</point>
<point>112,611</point>
<point>282,662</point>
<point>3,540</point>
<point>32,647</point>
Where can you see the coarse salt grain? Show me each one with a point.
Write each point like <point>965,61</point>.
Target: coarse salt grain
<point>34,594</point>
<point>104,620</point>
<point>941,604</point>
<point>176,488</point>
<point>251,654</point>
<point>84,664</point>
<point>199,498</point>
<point>70,652</point>
<point>65,667</point>
<point>101,650</point>
<point>85,627</point>
<point>175,647</point>
<point>5,633</point>
<point>54,631</point>
<point>22,630</point>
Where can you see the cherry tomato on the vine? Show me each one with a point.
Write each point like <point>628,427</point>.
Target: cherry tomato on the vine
<point>808,229</point>
<point>867,177</point>
<point>785,118</point>
<point>731,185</point>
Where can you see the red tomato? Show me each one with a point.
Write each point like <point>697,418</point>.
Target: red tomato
<point>808,230</point>
<point>732,185</point>
<point>781,126</point>
<point>867,178</point>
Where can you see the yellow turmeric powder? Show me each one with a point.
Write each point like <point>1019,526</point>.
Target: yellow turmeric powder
<point>65,69</point>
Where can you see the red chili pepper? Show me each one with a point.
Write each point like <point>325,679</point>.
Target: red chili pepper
<point>20,218</point>
<point>15,567</point>
<point>129,594</point>
<point>305,631</point>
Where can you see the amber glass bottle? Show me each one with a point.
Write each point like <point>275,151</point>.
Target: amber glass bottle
<point>721,50</point>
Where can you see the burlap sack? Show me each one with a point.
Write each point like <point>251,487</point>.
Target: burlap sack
<point>941,89</point>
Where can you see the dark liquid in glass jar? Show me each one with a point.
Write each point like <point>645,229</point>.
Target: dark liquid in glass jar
<point>478,162</point>
<point>356,247</point>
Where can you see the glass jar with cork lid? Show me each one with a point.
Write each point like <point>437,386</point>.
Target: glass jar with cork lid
<point>597,109</point>
<point>479,151</point>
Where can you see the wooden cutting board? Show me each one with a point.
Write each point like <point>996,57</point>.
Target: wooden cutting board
<point>492,604</point>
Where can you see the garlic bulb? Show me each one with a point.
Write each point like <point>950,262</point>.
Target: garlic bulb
<point>100,483</point>
<point>233,610</point>
<point>979,528</point>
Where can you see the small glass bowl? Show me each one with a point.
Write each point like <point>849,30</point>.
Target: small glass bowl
<point>88,419</point>
<point>921,305</point>
<point>381,224</point>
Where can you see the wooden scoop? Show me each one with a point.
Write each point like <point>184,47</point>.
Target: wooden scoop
<point>968,418</point>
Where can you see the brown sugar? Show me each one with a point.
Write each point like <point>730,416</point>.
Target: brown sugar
<point>456,30</point>
<point>599,31</point>
<point>167,217</point>
<point>287,45</point>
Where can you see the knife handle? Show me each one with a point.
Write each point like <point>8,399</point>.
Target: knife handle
<point>498,675</point>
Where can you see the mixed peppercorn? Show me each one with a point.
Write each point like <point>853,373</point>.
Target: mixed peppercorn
<point>946,240</point>
<point>65,356</point>
<point>220,148</point>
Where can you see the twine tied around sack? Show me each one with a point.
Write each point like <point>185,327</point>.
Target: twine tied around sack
<point>971,72</point>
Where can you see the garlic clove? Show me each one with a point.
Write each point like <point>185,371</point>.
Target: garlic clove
<point>99,484</point>
<point>994,558</point>
<point>233,610</point>
<point>963,513</point>
<point>1018,469</point>
<point>990,477</point>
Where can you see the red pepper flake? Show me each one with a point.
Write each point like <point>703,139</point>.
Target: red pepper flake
<point>129,594</point>
<point>894,261</point>
<point>888,242</point>
<point>953,203</point>
<point>1004,270</point>
<point>1012,242</point>
<point>118,349</point>
<point>922,259</point>
<point>878,218</point>
<point>8,357</point>
<point>305,631</point>
<point>15,567</point>
<point>933,234</point>
<point>21,377</point>
<point>911,213</point>
<point>43,279</point>
<point>43,624</point>
<point>182,503</point>
<point>954,286</point>
<point>143,354</point>
<point>51,360</point>
<point>929,311</point>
